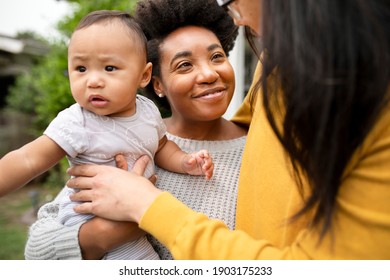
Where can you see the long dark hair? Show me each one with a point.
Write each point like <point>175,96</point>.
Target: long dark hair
<point>332,61</point>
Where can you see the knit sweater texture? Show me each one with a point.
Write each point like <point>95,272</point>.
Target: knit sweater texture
<point>217,197</point>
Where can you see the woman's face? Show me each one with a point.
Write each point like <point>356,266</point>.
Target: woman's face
<point>196,75</point>
<point>250,11</point>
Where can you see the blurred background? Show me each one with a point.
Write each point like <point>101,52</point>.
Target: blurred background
<point>34,88</point>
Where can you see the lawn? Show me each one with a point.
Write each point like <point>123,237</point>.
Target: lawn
<point>16,214</point>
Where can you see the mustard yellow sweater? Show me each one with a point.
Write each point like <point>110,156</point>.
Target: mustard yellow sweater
<point>268,196</point>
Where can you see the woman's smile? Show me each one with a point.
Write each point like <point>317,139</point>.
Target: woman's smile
<point>215,94</point>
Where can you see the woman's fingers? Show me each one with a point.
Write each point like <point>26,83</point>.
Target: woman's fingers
<point>79,183</point>
<point>140,165</point>
<point>84,208</point>
<point>82,196</point>
<point>87,170</point>
<point>112,193</point>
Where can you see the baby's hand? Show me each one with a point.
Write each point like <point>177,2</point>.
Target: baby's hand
<point>199,163</point>
<point>121,162</point>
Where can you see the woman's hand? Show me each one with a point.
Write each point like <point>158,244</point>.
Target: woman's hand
<point>113,193</point>
<point>99,236</point>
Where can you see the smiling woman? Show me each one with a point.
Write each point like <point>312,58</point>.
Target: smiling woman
<point>190,67</point>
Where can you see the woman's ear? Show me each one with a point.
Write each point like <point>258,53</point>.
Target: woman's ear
<point>146,75</point>
<point>158,87</point>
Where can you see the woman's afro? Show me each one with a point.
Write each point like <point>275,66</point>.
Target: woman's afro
<point>158,18</point>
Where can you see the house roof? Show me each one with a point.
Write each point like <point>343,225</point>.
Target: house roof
<point>16,55</point>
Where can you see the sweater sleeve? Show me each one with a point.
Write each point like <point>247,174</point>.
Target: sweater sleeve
<point>192,235</point>
<point>243,116</point>
<point>48,239</point>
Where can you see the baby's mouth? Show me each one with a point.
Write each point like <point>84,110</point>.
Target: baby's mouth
<point>98,101</point>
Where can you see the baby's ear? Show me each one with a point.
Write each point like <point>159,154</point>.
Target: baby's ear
<point>146,75</point>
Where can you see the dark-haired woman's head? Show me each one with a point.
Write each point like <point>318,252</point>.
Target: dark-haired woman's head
<point>332,60</point>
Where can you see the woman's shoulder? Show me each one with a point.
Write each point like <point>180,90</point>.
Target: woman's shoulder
<point>376,145</point>
<point>381,127</point>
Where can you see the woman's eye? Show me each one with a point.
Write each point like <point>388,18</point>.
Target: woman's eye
<point>110,68</point>
<point>217,56</point>
<point>81,69</point>
<point>184,65</point>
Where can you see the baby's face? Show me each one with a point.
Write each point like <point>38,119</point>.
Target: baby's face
<point>106,67</point>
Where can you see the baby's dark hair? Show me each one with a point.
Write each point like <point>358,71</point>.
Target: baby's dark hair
<point>135,31</point>
<point>158,18</point>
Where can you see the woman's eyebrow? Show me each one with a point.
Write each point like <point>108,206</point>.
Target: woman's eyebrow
<point>214,46</point>
<point>180,55</point>
<point>189,53</point>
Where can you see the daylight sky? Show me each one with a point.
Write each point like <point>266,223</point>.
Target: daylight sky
<point>33,15</point>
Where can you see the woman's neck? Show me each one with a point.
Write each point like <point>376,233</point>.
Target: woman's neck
<point>219,129</point>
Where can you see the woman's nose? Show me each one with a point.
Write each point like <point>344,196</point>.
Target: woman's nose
<point>207,74</point>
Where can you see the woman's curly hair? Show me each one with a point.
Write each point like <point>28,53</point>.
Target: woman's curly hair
<point>158,18</point>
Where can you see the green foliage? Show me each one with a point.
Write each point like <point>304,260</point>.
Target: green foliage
<point>81,8</point>
<point>50,78</point>
<point>45,91</point>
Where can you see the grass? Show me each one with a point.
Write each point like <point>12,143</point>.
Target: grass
<point>13,231</point>
<point>16,215</point>
<point>12,241</point>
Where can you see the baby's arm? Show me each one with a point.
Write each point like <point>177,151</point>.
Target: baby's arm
<point>20,166</point>
<point>170,157</point>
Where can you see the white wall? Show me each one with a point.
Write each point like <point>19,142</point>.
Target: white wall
<point>237,59</point>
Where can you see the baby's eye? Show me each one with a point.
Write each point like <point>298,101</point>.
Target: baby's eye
<point>110,68</point>
<point>81,69</point>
